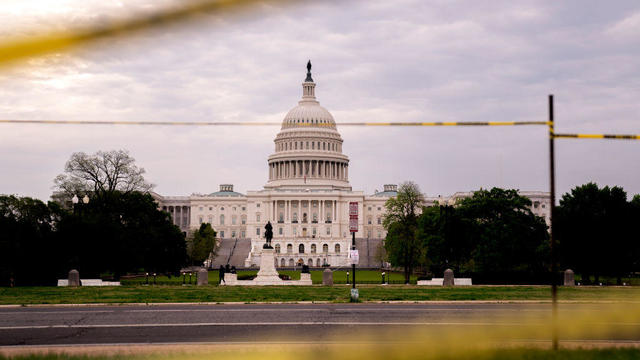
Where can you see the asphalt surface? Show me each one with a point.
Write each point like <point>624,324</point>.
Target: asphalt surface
<point>142,324</point>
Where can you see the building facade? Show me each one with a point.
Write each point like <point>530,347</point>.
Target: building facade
<point>306,197</point>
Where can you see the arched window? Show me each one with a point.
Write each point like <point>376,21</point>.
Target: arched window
<point>289,248</point>
<point>318,263</point>
<point>283,263</point>
<point>369,220</point>
<point>310,262</point>
<point>337,248</point>
<point>243,219</point>
<point>301,249</point>
<point>313,248</point>
<point>277,248</point>
<point>291,263</point>
<point>304,217</point>
<point>325,248</point>
<point>222,219</point>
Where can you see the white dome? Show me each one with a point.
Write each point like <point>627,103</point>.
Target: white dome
<point>308,114</point>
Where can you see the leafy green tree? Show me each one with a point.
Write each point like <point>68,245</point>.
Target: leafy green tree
<point>28,249</point>
<point>122,233</point>
<point>401,244</point>
<point>493,233</point>
<point>201,244</point>
<point>595,230</point>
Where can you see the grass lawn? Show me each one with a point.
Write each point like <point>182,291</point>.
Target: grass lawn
<point>339,293</point>
<point>339,277</point>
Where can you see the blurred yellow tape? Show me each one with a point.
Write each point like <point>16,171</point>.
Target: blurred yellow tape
<point>13,51</point>
<point>598,136</point>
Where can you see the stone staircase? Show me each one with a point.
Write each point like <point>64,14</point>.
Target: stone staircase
<point>232,252</point>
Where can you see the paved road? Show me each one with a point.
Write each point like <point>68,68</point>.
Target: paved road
<point>248,323</point>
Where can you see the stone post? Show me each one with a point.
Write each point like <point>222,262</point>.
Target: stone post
<point>569,278</point>
<point>448,278</point>
<point>203,277</point>
<point>327,277</point>
<point>74,278</point>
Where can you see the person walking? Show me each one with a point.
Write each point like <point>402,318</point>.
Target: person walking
<point>221,275</point>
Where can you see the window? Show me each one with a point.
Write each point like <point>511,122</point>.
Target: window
<point>283,263</point>
<point>258,231</point>
<point>329,217</point>
<point>315,218</point>
<point>281,217</point>
<point>243,220</point>
<point>210,208</point>
<point>379,235</point>
<point>244,234</point>
<point>233,220</point>
<point>222,219</point>
<point>222,208</point>
<point>244,208</point>
<point>233,234</point>
<point>379,220</point>
<point>315,204</point>
<point>234,208</point>
<point>328,230</point>
<point>281,204</point>
<point>295,231</point>
<point>210,219</point>
<point>536,204</point>
<point>277,248</point>
<point>222,234</point>
<point>313,248</point>
<point>295,217</point>
<point>337,248</point>
<point>200,208</point>
<point>280,231</point>
<point>369,220</point>
<point>258,217</point>
<point>295,205</point>
<point>379,208</point>
<point>200,219</point>
<point>543,206</point>
<point>289,248</point>
<point>369,208</point>
<point>313,231</point>
<point>369,234</point>
<point>304,204</point>
<point>325,248</point>
<point>301,249</point>
<point>313,145</point>
<point>304,217</point>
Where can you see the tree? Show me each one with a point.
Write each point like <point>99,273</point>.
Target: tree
<point>201,244</point>
<point>28,249</point>
<point>122,233</point>
<point>595,231</point>
<point>493,233</point>
<point>402,246</point>
<point>101,174</point>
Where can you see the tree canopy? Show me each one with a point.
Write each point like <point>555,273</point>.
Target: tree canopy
<point>400,220</point>
<point>201,244</point>
<point>101,174</point>
<point>596,233</point>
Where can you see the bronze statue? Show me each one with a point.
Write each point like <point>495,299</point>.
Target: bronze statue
<point>268,234</point>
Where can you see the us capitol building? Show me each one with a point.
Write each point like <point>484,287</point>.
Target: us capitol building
<point>306,198</point>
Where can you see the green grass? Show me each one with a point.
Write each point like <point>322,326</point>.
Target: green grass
<point>338,293</point>
<point>499,354</point>
<point>339,277</point>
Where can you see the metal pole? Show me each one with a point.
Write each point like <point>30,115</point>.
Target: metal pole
<point>353,266</point>
<point>554,268</point>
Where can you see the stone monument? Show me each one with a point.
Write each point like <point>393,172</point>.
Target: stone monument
<point>203,277</point>
<point>74,278</point>
<point>448,278</point>
<point>569,278</point>
<point>267,275</point>
<point>327,277</point>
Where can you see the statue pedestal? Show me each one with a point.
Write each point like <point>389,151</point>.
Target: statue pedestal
<point>267,274</point>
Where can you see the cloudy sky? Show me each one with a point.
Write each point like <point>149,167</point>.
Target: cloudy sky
<point>372,61</point>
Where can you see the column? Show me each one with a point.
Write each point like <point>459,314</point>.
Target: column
<point>322,218</point>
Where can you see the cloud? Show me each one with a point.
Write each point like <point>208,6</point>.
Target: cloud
<point>372,61</point>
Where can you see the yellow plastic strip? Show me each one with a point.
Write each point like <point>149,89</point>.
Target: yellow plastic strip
<point>598,136</point>
<point>185,11</point>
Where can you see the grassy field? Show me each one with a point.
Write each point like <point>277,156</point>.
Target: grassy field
<point>339,277</point>
<point>339,293</point>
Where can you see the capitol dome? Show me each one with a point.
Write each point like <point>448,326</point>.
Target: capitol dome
<point>308,149</point>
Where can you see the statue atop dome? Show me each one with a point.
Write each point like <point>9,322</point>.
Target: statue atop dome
<point>308,79</point>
